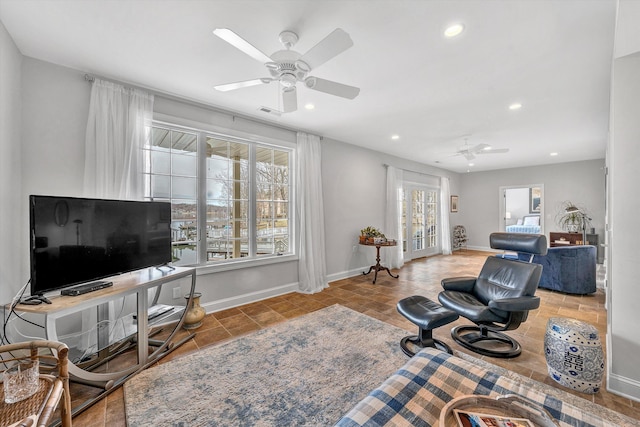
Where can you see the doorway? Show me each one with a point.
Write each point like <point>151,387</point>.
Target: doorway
<point>522,209</point>
<point>420,226</point>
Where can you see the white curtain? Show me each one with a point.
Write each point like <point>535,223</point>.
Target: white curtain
<point>116,131</point>
<point>445,231</point>
<point>117,128</point>
<point>312,270</point>
<point>392,257</point>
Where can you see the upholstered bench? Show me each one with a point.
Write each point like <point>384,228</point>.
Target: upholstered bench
<point>427,315</point>
<point>570,269</point>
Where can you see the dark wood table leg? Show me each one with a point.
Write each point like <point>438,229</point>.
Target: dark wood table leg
<point>378,267</point>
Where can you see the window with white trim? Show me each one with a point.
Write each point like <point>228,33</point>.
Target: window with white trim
<point>238,208</point>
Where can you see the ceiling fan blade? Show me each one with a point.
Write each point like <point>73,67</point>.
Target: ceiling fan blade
<point>246,83</point>
<point>331,87</point>
<point>289,100</point>
<point>332,45</point>
<point>494,151</point>
<point>478,148</point>
<point>241,44</point>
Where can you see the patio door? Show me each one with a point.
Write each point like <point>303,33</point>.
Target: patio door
<point>420,225</point>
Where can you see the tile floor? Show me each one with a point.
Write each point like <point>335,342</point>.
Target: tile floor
<point>421,276</point>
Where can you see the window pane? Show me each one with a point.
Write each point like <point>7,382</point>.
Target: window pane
<point>160,186</point>
<point>281,159</point>
<point>217,189</point>
<point>239,151</point>
<point>240,210</point>
<point>160,138</point>
<point>161,162</point>
<point>263,192</point>
<point>183,188</point>
<point>218,212</point>
<point>185,165</point>
<point>184,232</point>
<point>182,142</point>
<point>264,211</point>
<point>281,210</point>
<point>217,167</point>
<point>281,192</point>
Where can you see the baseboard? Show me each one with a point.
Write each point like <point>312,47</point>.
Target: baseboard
<point>346,274</point>
<point>623,386</point>
<point>223,304</point>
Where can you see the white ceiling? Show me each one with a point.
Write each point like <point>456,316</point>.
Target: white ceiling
<point>552,56</point>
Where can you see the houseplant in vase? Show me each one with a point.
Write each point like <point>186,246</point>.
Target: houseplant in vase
<point>371,235</point>
<point>571,217</point>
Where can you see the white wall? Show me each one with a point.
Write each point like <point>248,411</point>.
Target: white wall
<point>13,247</point>
<point>354,190</point>
<point>581,182</point>
<point>623,291</point>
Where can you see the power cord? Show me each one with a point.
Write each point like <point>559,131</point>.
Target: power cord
<point>7,317</point>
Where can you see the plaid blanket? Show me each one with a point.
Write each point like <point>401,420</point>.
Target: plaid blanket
<point>416,393</point>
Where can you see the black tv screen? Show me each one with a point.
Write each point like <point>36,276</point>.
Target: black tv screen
<point>75,240</point>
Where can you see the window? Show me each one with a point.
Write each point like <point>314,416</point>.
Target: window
<point>238,208</point>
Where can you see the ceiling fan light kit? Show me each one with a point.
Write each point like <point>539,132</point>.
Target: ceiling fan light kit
<point>289,67</point>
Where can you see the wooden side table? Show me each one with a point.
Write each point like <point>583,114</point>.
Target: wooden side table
<point>378,266</point>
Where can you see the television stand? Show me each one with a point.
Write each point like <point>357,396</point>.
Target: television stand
<point>148,351</point>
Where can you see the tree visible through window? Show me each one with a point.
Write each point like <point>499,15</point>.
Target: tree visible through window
<point>244,205</point>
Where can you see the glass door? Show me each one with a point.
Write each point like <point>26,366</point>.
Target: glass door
<point>420,222</point>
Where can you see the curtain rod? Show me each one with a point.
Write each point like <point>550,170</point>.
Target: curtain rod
<point>90,78</point>
<point>409,170</point>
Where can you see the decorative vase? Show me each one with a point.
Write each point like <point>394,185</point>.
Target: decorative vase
<point>195,313</point>
<point>574,354</point>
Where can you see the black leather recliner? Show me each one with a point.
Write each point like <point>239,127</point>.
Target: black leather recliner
<point>499,299</point>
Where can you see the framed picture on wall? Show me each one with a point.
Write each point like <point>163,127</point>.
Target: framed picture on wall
<point>534,199</point>
<point>454,203</point>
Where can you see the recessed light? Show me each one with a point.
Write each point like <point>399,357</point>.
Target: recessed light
<point>395,137</point>
<point>515,106</point>
<point>309,106</point>
<point>453,30</point>
<point>553,154</point>
<point>470,164</point>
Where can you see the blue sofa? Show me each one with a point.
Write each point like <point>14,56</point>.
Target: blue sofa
<point>570,269</point>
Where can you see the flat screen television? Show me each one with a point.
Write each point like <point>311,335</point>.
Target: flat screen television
<point>76,240</point>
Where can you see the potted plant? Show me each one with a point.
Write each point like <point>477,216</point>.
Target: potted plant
<point>570,217</point>
<point>370,235</point>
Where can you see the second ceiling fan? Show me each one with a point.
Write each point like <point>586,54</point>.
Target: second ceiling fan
<point>470,152</point>
<point>288,67</point>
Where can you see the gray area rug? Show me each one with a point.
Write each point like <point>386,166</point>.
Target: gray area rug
<point>308,371</point>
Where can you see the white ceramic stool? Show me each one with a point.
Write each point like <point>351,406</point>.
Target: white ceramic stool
<point>574,354</point>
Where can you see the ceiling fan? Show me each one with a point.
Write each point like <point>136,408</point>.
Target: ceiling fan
<point>469,152</point>
<point>288,67</point>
